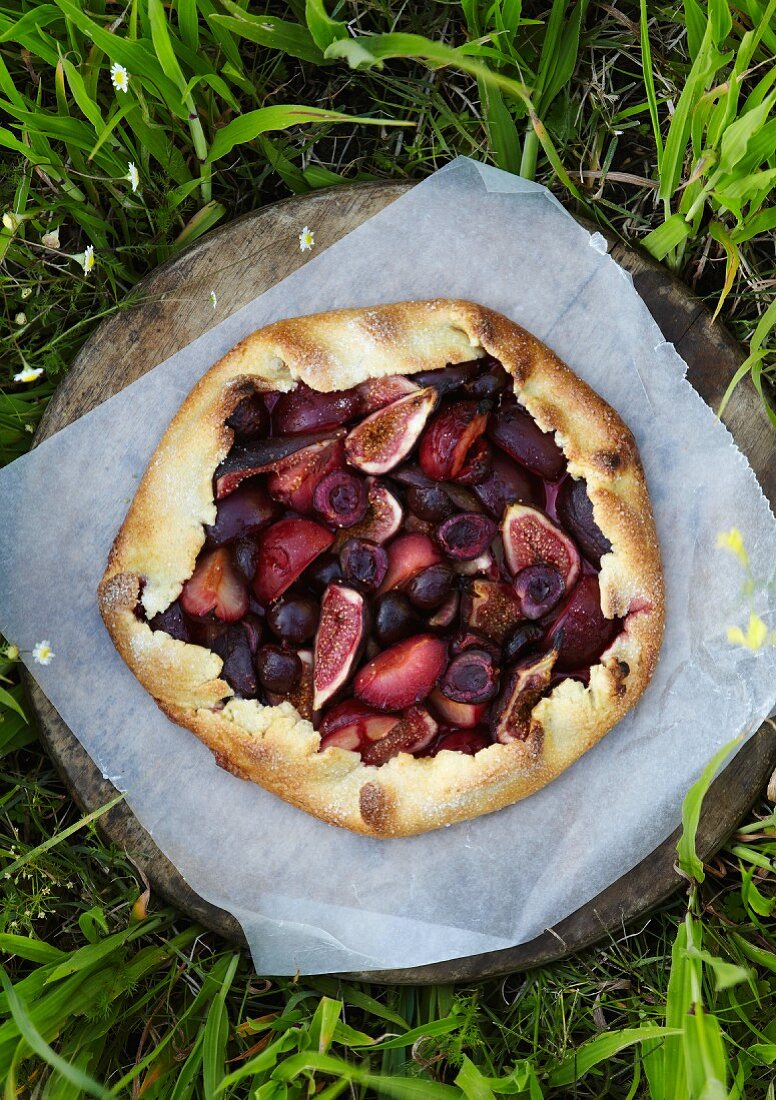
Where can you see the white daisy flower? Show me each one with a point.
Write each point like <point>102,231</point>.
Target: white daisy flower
<point>42,652</point>
<point>306,239</point>
<point>51,239</point>
<point>29,374</point>
<point>88,258</point>
<point>213,299</point>
<point>133,176</point>
<point>21,318</point>
<point>119,76</point>
<point>11,221</point>
<point>26,292</point>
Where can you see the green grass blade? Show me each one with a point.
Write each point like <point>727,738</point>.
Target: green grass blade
<point>272,32</point>
<point>323,29</point>
<point>649,83</point>
<point>673,232</point>
<point>689,862</point>
<point>591,1054</point>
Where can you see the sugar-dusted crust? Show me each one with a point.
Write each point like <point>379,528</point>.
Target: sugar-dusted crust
<point>273,746</point>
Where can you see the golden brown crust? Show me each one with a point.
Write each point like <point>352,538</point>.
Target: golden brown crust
<point>156,548</point>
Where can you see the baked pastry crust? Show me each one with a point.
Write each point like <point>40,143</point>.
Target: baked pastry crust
<point>157,546</point>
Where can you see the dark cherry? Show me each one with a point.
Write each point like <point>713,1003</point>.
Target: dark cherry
<point>470,678</point>
<point>324,571</point>
<point>245,554</point>
<point>490,381</point>
<point>173,622</point>
<point>539,588</point>
<point>294,618</point>
<point>466,536</point>
<point>278,669</point>
<point>429,589</point>
<point>465,741</point>
<point>238,669</point>
<point>395,619</point>
<point>521,640</point>
<point>575,512</point>
<point>450,378</point>
<point>341,498</point>
<point>364,564</point>
<point>249,419</point>
<point>306,410</point>
<point>520,436</point>
<point>254,630</point>
<point>244,512</point>
<point>506,484</point>
<point>431,503</point>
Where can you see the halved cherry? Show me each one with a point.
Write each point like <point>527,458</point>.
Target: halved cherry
<point>490,607</point>
<point>528,681</point>
<point>295,479</point>
<point>582,627</point>
<point>517,433</point>
<point>259,458</point>
<point>243,512</point>
<point>376,393</point>
<point>530,538</point>
<point>412,733</point>
<point>469,742</point>
<point>460,715</point>
<point>466,536</point>
<point>408,555</point>
<point>216,585</point>
<point>539,588</point>
<point>307,410</point>
<point>383,518</point>
<point>383,439</point>
<point>471,677</point>
<point>446,441</point>
<point>506,484</point>
<point>364,564</point>
<point>339,640</point>
<point>402,675</point>
<point>285,550</point>
<point>341,498</point>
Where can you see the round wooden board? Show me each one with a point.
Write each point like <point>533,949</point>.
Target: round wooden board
<point>230,262</point>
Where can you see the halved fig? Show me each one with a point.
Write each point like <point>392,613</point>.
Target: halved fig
<point>584,630</point>
<point>446,614</point>
<point>525,636</point>
<point>249,419</point>
<point>340,497</point>
<point>490,607</point>
<point>238,669</point>
<point>408,555</point>
<point>307,410</point>
<point>447,380</point>
<point>173,622</point>
<point>575,512</point>
<point>412,733</point>
<point>430,588</point>
<point>459,715</point>
<point>517,433</point>
<point>376,393</point>
<point>383,439</point>
<point>506,484</point>
<point>511,718</point>
<point>383,518</point>
<point>259,458</point>
<point>295,479</point>
<point>243,512</point>
<point>466,536</point>
<point>478,466</point>
<point>446,441</point>
<point>540,588</point>
<point>279,670</point>
<point>402,675</point>
<point>472,677</point>
<point>364,564</point>
<point>285,550</point>
<point>216,585</point>
<point>339,640</point>
<point>469,742</point>
<point>395,618</point>
<point>531,538</point>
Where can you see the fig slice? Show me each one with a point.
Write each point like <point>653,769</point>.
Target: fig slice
<point>446,441</point>
<point>531,538</point>
<point>295,480</point>
<point>469,742</point>
<point>243,512</point>
<point>383,518</point>
<point>383,439</point>
<point>340,497</point>
<point>407,555</point>
<point>216,585</point>
<point>338,642</point>
<point>514,430</point>
<point>490,607</point>
<point>412,733</point>
<point>528,681</point>
<point>575,511</point>
<point>466,536</point>
<point>470,677</point>
<point>285,550</point>
<point>303,409</point>
<point>458,715</point>
<point>402,675</point>
<point>376,393</point>
<point>260,458</point>
<point>584,630</point>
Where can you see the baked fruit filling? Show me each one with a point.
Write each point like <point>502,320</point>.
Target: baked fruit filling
<point>407,562</point>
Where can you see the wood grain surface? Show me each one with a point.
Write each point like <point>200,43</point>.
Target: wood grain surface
<point>239,262</point>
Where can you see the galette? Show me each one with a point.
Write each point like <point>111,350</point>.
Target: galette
<point>396,565</point>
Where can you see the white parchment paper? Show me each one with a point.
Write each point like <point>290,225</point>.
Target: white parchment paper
<point>314,898</point>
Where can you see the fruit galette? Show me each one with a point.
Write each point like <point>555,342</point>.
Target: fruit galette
<point>396,565</point>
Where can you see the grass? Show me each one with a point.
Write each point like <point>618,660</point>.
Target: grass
<point>655,120</point>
